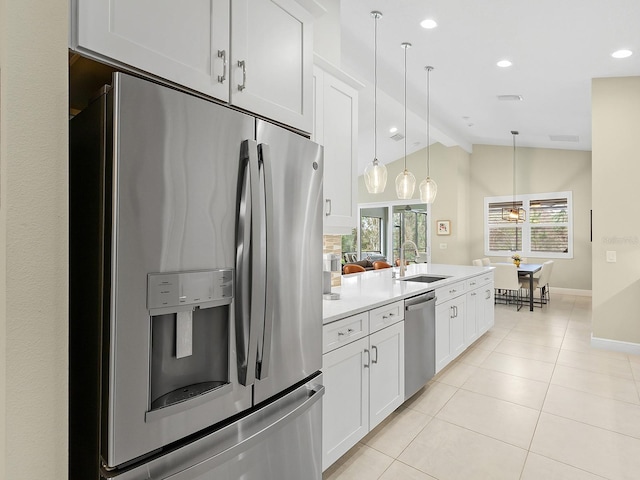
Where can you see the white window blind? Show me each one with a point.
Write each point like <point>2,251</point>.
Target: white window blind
<point>544,228</point>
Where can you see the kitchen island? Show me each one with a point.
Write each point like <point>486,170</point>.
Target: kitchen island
<point>364,339</point>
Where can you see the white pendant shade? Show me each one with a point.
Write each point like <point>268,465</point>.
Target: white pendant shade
<point>375,177</point>
<point>405,185</point>
<point>428,190</point>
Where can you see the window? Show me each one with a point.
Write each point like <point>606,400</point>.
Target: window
<point>544,228</point>
<point>410,223</point>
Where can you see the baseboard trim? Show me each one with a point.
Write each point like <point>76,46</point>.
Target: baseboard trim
<point>615,345</point>
<point>570,291</point>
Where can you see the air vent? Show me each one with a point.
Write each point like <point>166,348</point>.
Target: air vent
<point>510,98</point>
<point>397,137</point>
<point>564,138</point>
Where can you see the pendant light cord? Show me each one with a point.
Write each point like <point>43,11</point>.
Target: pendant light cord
<point>375,87</point>
<point>428,68</point>
<point>406,46</point>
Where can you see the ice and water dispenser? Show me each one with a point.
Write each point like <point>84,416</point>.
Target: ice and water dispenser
<point>190,338</point>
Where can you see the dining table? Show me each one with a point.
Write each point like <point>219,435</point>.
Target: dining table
<point>528,269</point>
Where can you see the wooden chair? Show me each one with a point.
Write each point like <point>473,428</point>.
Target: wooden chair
<point>352,268</point>
<point>507,284</point>
<point>380,264</point>
<point>406,262</point>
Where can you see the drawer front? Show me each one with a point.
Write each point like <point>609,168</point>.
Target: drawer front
<point>344,331</point>
<point>479,281</point>
<point>450,291</point>
<point>382,317</point>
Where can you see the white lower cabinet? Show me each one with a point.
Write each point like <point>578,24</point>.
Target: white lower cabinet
<point>364,383</point>
<point>450,323</point>
<point>345,406</point>
<point>464,312</point>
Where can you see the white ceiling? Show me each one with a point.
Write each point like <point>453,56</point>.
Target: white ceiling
<point>556,46</point>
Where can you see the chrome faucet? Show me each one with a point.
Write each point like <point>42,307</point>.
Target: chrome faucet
<point>403,267</point>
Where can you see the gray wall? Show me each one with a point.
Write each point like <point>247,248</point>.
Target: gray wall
<point>616,169</point>
<point>538,170</point>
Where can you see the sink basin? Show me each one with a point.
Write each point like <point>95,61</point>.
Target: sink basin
<point>423,278</point>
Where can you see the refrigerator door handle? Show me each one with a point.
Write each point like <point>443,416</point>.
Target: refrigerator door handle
<point>250,284</point>
<point>264,350</point>
<point>252,439</point>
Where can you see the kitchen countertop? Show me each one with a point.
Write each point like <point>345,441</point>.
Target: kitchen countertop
<point>360,292</point>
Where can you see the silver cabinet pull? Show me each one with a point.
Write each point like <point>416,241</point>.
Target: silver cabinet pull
<point>349,330</point>
<point>243,66</point>
<point>366,365</point>
<point>223,55</point>
<point>376,349</point>
<point>327,205</point>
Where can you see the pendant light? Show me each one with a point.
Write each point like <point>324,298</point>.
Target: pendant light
<point>428,188</point>
<point>375,175</point>
<point>405,181</point>
<point>514,214</point>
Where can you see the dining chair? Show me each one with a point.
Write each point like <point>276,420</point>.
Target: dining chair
<point>353,268</point>
<point>477,262</point>
<point>486,261</point>
<point>380,264</point>
<point>542,282</point>
<point>507,284</point>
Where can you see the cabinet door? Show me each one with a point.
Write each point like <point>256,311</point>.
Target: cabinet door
<point>488,307</point>
<point>171,40</point>
<point>444,311</point>
<point>474,315</point>
<point>386,388</point>
<point>345,406</point>
<point>336,127</point>
<point>457,326</point>
<point>271,60</point>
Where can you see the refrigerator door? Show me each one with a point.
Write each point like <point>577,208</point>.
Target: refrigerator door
<point>176,175</point>
<point>290,348</point>
<point>282,440</point>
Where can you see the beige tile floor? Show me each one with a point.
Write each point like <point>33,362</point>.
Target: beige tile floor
<point>531,400</point>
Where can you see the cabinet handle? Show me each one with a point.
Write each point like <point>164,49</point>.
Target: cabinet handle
<point>327,207</point>
<point>366,365</point>
<point>473,283</point>
<point>376,349</point>
<point>349,331</point>
<point>341,334</point>
<point>451,312</point>
<point>223,55</point>
<point>473,294</point>
<point>243,66</point>
<point>488,294</point>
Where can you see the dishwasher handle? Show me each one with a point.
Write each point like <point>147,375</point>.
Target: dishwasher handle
<point>419,302</point>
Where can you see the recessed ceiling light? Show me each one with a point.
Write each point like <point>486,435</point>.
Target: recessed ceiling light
<point>504,63</point>
<point>622,54</point>
<point>428,23</point>
<point>393,130</point>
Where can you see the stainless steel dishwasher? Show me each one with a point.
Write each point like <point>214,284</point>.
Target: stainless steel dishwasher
<point>419,342</point>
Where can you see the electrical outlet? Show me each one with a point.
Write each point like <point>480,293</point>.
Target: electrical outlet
<point>611,256</point>
<point>443,246</point>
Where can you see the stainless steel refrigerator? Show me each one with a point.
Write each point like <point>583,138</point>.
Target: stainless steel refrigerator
<point>195,291</point>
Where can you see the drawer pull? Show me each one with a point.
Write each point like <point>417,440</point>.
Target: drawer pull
<point>366,365</point>
<point>340,334</point>
<point>349,331</point>
<point>376,349</point>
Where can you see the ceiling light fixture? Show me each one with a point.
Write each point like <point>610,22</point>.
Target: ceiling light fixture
<point>515,213</point>
<point>428,188</point>
<point>375,175</point>
<point>504,63</point>
<point>622,53</point>
<point>428,23</point>
<point>405,181</point>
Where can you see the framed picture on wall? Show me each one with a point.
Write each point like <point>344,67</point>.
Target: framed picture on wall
<point>443,227</point>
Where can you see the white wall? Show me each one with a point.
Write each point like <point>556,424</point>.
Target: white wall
<point>33,239</point>
<point>616,196</point>
<point>538,170</point>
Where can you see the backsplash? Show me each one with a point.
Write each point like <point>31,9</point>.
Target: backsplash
<point>333,244</point>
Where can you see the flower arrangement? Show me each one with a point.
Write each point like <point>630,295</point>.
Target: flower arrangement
<point>516,259</point>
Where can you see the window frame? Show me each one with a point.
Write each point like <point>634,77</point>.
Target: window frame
<point>526,200</point>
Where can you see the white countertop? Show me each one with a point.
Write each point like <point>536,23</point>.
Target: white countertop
<point>360,292</point>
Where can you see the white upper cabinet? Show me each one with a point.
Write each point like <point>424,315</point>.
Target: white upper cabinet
<point>199,45</point>
<point>336,128</point>
<point>272,60</point>
<point>172,40</point>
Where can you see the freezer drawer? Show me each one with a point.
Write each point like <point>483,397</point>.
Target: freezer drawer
<point>280,441</point>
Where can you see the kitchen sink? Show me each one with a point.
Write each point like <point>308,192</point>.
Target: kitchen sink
<point>423,278</point>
